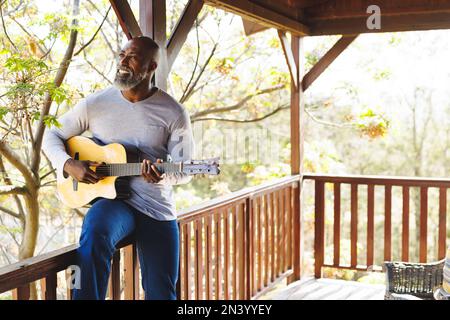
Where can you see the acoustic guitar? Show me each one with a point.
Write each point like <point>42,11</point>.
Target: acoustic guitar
<point>115,169</point>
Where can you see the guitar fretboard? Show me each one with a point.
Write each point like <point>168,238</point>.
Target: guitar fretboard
<point>135,169</point>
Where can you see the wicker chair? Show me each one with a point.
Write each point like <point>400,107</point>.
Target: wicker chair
<point>413,281</point>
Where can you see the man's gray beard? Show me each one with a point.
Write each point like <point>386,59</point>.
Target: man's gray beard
<point>126,84</point>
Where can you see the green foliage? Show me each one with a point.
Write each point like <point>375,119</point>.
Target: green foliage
<point>51,120</point>
<point>59,24</point>
<point>13,230</point>
<point>16,63</point>
<point>372,124</point>
<point>382,75</point>
<point>3,112</point>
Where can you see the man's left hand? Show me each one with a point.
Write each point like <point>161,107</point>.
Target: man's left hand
<point>150,172</point>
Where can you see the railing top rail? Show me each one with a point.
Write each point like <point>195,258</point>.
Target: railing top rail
<point>381,180</point>
<point>235,196</point>
<point>38,267</point>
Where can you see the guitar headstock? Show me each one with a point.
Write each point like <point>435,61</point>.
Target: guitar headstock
<point>206,166</point>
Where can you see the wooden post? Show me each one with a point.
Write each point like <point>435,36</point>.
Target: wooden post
<point>319,226</point>
<point>152,20</point>
<point>297,139</point>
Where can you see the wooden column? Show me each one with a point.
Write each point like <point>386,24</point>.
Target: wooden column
<point>152,20</point>
<point>297,138</point>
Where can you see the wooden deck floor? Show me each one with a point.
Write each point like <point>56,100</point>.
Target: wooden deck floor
<point>327,289</point>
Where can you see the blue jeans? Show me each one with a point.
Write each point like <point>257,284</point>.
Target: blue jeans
<point>108,222</point>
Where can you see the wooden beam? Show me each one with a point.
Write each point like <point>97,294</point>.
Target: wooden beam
<point>410,22</point>
<point>262,15</point>
<point>308,3</point>
<point>251,27</point>
<point>337,9</point>
<point>181,31</point>
<point>126,18</point>
<point>152,19</point>
<point>326,60</point>
<point>290,60</point>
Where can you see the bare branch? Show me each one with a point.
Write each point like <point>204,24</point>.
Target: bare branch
<point>79,213</point>
<point>189,92</point>
<point>7,190</point>
<point>101,12</point>
<point>4,28</point>
<point>246,121</point>
<point>196,61</point>
<point>238,105</point>
<point>49,183</point>
<point>15,160</point>
<point>95,68</point>
<point>8,181</point>
<point>95,34</point>
<point>327,123</point>
<point>13,236</point>
<point>10,212</point>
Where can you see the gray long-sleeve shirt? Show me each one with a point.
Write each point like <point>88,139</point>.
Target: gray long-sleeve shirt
<point>155,127</point>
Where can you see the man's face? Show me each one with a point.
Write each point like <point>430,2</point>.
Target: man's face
<point>133,66</point>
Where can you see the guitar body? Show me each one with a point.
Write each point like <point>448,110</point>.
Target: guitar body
<point>118,165</point>
<point>109,187</point>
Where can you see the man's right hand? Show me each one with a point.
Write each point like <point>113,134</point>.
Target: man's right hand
<point>80,171</point>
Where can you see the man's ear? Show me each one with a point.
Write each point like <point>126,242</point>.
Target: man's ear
<point>152,66</point>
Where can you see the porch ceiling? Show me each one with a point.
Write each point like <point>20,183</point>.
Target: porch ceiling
<point>329,17</point>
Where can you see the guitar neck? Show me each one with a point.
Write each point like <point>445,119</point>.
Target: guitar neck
<point>135,169</point>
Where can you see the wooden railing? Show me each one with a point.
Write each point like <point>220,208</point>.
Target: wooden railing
<point>232,247</point>
<point>372,183</point>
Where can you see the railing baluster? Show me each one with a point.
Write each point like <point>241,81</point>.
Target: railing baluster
<point>209,272</point>
<point>423,224</point>
<point>226,256</point>
<point>240,237</point>
<point>319,226</point>
<point>187,261</point>
<point>115,276</point>
<point>287,202</point>
<point>337,224</point>
<point>22,293</point>
<point>405,224</point>
<point>279,233</point>
<point>354,226</point>
<point>387,222</point>
<point>259,241</point>
<point>274,228</point>
<point>50,284</point>
<point>370,223</point>
<point>257,244</point>
<point>272,237</point>
<point>199,259</point>
<point>296,230</point>
<point>283,231</point>
<point>180,282</point>
<point>218,255</point>
<point>234,213</point>
<point>131,273</point>
<point>442,223</point>
<point>248,247</point>
<point>254,244</point>
<point>266,240</point>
